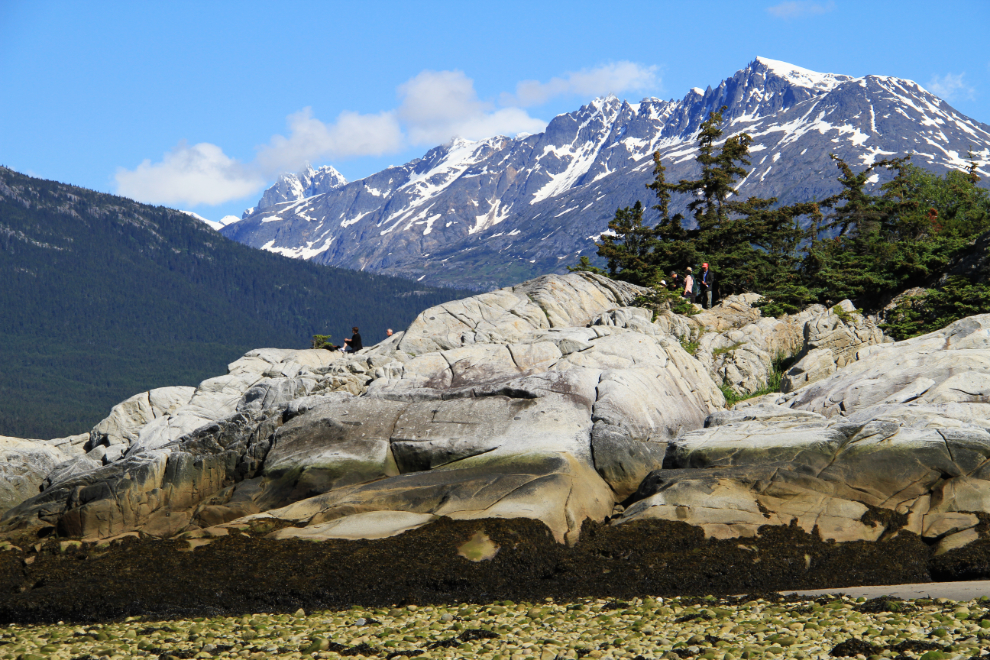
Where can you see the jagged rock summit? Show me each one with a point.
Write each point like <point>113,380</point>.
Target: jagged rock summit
<point>487,213</point>
<point>557,400</point>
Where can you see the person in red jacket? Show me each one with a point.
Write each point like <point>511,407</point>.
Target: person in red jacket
<point>707,283</point>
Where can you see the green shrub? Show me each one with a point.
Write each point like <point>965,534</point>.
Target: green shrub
<point>919,315</point>
<point>322,341</point>
<point>660,299</point>
<point>781,363</point>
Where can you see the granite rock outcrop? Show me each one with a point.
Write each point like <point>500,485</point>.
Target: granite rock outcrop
<point>558,400</point>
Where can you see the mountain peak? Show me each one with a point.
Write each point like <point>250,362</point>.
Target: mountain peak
<point>799,76</point>
<point>290,187</point>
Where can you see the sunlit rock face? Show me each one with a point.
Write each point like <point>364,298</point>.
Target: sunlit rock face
<point>556,400</point>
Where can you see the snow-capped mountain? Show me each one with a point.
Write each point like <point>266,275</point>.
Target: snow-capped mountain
<point>292,187</point>
<point>499,210</point>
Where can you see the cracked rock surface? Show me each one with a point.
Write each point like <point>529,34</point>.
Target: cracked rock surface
<point>559,401</point>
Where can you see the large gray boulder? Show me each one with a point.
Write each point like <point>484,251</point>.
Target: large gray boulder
<point>24,464</point>
<point>551,400</point>
<point>948,366</point>
<point>901,427</point>
<point>776,467</point>
<point>507,315</point>
<point>558,401</point>
<point>831,341</point>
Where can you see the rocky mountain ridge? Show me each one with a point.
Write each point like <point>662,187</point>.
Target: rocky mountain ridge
<point>499,210</point>
<point>293,187</point>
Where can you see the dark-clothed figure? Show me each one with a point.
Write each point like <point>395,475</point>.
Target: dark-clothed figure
<point>675,282</point>
<point>353,345</point>
<point>707,283</point>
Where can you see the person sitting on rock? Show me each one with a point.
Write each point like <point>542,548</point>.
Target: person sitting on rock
<point>353,345</point>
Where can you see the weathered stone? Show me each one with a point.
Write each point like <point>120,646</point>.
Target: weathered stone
<point>831,341</point>
<point>329,447</point>
<point>623,462</point>
<point>901,371</point>
<point>507,315</point>
<point>155,491</point>
<point>556,401</point>
<point>128,417</point>
<point>955,541</point>
<point>739,348</point>
<point>558,489</point>
<point>24,464</point>
<point>824,473</point>
<point>368,525</point>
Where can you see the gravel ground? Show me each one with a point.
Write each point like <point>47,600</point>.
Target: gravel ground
<point>703,628</point>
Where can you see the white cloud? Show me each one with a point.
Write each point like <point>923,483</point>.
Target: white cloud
<point>800,9</point>
<point>614,78</point>
<point>950,87</point>
<point>189,175</point>
<point>439,105</point>
<point>310,139</point>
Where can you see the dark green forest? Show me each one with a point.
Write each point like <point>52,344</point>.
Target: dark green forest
<point>864,244</point>
<point>103,297</point>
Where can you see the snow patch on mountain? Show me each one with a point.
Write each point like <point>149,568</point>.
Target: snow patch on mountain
<point>800,77</point>
<point>217,225</point>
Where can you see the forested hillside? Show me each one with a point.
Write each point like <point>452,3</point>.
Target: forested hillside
<point>103,297</point>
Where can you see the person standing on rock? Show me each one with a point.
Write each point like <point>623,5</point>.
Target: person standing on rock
<point>675,282</point>
<point>353,345</point>
<point>689,285</point>
<point>707,283</point>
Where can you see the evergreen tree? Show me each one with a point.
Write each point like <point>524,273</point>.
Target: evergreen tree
<point>629,250</point>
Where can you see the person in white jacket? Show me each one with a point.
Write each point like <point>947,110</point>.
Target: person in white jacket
<point>689,285</point>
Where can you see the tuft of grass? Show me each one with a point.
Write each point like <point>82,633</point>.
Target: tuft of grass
<point>727,349</point>
<point>781,363</point>
<point>847,317</point>
<point>690,345</point>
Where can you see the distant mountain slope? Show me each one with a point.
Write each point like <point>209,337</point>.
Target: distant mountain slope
<point>501,210</point>
<point>103,297</point>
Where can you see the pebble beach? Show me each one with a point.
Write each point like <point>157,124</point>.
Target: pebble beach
<point>704,628</point>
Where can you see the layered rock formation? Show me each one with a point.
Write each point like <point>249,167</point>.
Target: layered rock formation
<point>896,439</point>
<point>557,400</point>
<point>523,402</point>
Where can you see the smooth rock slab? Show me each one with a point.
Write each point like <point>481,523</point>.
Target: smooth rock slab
<point>370,525</point>
<point>24,464</point>
<point>557,489</point>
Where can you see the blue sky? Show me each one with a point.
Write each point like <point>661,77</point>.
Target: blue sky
<point>199,105</point>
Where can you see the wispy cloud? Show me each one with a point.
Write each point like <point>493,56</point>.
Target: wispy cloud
<point>434,107</point>
<point>189,175</point>
<point>616,78</point>
<point>439,105</point>
<point>800,9</point>
<point>309,139</point>
<point>950,87</point>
